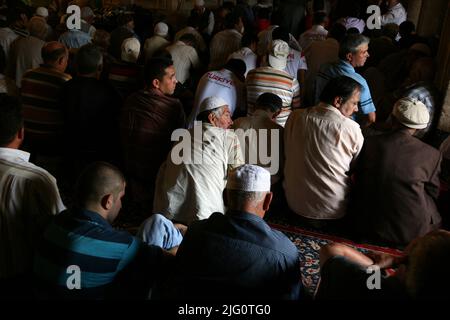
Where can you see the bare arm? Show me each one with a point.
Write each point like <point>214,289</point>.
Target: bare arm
<point>337,249</point>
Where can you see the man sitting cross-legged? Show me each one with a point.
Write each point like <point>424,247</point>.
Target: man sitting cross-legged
<point>236,255</point>
<point>83,257</point>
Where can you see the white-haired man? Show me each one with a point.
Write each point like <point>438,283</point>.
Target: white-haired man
<point>190,188</point>
<point>236,255</point>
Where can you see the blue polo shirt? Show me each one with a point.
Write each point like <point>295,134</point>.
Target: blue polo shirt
<point>343,68</point>
<point>86,240</point>
<point>236,256</point>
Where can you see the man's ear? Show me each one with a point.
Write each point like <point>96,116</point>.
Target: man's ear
<point>107,201</point>
<point>155,83</point>
<point>349,56</point>
<point>21,134</point>
<point>337,102</point>
<point>267,201</point>
<point>211,118</point>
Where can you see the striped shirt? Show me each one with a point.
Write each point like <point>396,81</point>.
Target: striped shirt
<point>126,77</point>
<point>267,79</point>
<point>84,239</point>
<point>43,116</point>
<point>343,68</point>
<point>29,197</point>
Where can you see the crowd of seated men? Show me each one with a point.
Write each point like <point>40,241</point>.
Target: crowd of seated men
<point>201,130</point>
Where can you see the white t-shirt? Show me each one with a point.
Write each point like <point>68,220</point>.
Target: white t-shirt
<point>295,62</point>
<point>248,56</point>
<point>222,83</point>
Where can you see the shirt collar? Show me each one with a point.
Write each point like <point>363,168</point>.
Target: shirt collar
<point>245,215</point>
<point>95,218</point>
<point>346,65</point>
<point>330,108</point>
<point>15,154</point>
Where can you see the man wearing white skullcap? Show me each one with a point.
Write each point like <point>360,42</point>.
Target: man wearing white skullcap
<point>158,41</point>
<point>237,255</point>
<point>42,12</point>
<point>130,50</point>
<point>397,180</point>
<point>190,183</point>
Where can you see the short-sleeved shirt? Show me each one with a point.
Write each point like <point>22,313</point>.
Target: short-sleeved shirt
<point>279,82</point>
<point>84,239</point>
<point>237,255</point>
<point>222,83</point>
<point>343,68</point>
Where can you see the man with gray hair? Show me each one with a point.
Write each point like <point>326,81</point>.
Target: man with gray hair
<point>353,53</point>
<point>189,187</point>
<point>237,255</point>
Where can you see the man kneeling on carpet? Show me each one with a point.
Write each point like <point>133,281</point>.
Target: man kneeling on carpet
<point>232,256</point>
<point>422,273</point>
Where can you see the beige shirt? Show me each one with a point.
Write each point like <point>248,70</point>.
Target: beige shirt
<point>29,196</point>
<point>184,58</point>
<point>154,44</point>
<point>24,54</point>
<point>320,147</point>
<point>262,143</point>
<point>201,45</point>
<point>191,188</point>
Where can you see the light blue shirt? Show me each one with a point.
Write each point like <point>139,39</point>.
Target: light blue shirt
<point>74,39</point>
<point>343,68</point>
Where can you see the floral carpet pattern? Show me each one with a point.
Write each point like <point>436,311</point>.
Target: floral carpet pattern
<point>309,244</point>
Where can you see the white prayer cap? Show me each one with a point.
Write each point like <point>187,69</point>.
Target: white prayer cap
<point>278,54</point>
<point>42,12</point>
<point>130,49</point>
<point>249,178</point>
<point>161,29</point>
<point>199,3</point>
<point>212,103</point>
<point>411,113</point>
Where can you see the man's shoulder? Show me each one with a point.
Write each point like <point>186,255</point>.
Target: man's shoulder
<point>29,171</point>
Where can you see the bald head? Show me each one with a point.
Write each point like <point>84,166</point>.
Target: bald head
<point>54,53</point>
<point>97,181</point>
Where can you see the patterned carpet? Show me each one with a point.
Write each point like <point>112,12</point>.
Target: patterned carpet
<point>309,244</point>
